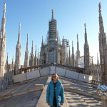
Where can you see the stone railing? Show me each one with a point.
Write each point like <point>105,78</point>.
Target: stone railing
<point>61,71</point>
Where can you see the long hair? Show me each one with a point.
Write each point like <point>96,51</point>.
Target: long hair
<point>55,74</point>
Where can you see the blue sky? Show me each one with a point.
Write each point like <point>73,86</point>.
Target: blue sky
<point>34,16</point>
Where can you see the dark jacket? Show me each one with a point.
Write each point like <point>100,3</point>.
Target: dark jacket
<point>59,93</point>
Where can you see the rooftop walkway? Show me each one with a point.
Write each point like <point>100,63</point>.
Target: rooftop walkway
<point>24,94</point>
<point>32,93</point>
<point>42,100</point>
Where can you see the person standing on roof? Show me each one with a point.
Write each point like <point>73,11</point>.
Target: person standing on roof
<point>55,92</point>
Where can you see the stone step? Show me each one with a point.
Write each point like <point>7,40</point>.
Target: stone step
<point>85,93</point>
<point>80,96</point>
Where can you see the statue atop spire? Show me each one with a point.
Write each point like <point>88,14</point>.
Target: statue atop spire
<point>52,14</point>
<point>42,41</point>
<point>3,23</point>
<point>4,11</point>
<point>19,33</point>
<point>27,43</point>
<point>85,27</point>
<point>77,43</point>
<point>101,27</point>
<point>85,33</point>
<point>99,8</point>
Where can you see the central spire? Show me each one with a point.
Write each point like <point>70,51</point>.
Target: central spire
<point>52,28</point>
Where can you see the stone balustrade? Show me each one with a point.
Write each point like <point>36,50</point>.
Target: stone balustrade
<point>68,73</point>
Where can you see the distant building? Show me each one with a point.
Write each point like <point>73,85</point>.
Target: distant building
<point>81,61</point>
